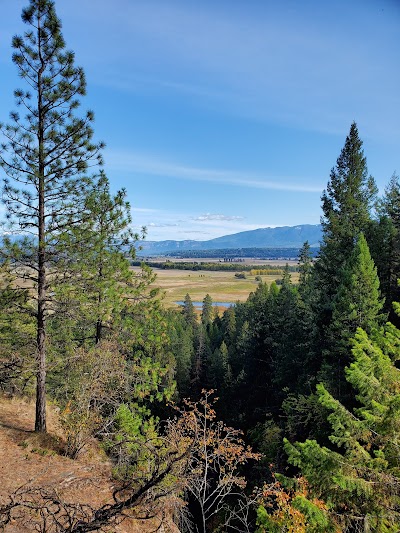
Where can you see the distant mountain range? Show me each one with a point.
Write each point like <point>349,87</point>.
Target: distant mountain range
<point>282,237</point>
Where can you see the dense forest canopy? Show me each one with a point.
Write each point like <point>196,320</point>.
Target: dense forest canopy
<point>279,414</point>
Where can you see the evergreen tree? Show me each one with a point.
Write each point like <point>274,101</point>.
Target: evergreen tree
<point>207,311</point>
<point>358,476</point>
<point>385,244</point>
<point>305,270</point>
<point>358,304</point>
<point>17,328</point>
<point>45,158</point>
<point>182,346</point>
<point>98,280</point>
<point>218,368</point>
<point>346,205</point>
<point>188,311</point>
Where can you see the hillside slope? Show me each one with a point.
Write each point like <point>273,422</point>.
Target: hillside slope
<point>30,462</point>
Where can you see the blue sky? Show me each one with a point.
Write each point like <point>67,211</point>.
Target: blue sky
<point>225,115</point>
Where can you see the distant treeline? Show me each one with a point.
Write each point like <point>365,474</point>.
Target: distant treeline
<point>285,254</point>
<point>230,267</point>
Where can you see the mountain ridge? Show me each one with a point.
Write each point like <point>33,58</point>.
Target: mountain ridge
<point>278,237</point>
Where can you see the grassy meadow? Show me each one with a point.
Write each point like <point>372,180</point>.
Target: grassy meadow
<point>221,286</point>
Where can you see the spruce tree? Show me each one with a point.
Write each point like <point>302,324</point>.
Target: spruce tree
<point>358,475</point>
<point>346,206</point>
<point>305,270</point>
<point>385,244</point>
<point>207,311</point>
<point>45,155</point>
<point>189,312</point>
<point>358,303</point>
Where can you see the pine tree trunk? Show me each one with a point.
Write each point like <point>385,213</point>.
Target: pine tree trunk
<point>40,421</point>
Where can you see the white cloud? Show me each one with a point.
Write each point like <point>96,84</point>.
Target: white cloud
<point>165,225</point>
<point>210,216</point>
<point>161,225</point>
<point>143,210</point>
<point>126,161</point>
<point>193,232</point>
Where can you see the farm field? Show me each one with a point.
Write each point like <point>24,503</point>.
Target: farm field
<point>221,286</point>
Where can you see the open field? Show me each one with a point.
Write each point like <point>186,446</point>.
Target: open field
<point>246,261</point>
<point>221,286</point>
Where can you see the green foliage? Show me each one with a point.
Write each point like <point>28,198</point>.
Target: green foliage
<point>358,304</point>
<point>385,243</point>
<point>206,313</point>
<point>359,474</point>
<point>266,270</point>
<point>346,205</point>
<point>45,155</point>
<point>98,281</point>
<point>88,387</point>
<point>286,506</point>
<point>133,428</point>
<point>189,312</point>
<point>17,335</point>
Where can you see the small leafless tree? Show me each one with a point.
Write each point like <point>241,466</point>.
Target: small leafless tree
<point>217,453</point>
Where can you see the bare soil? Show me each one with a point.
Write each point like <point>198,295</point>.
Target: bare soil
<point>33,460</point>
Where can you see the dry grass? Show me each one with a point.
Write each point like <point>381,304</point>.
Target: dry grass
<point>221,286</point>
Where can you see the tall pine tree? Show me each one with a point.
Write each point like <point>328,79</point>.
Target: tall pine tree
<point>45,157</point>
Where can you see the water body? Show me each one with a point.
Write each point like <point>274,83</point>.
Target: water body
<point>199,305</point>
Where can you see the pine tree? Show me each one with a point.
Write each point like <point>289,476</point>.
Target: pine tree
<point>182,346</point>
<point>45,157</point>
<point>98,280</point>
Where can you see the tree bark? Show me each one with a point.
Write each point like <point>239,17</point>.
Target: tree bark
<point>40,421</point>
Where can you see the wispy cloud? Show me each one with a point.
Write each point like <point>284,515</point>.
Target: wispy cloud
<point>161,225</point>
<point>193,232</point>
<point>291,64</point>
<point>119,160</point>
<point>167,224</point>
<point>210,216</point>
<point>144,210</point>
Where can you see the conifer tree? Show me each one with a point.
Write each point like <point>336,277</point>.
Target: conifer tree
<point>45,156</point>
<point>305,270</point>
<point>358,476</point>
<point>206,313</point>
<point>98,280</point>
<point>188,311</point>
<point>385,243</point>
<point>182,346</point>
<point>346,205</point>
<point>358,304</point>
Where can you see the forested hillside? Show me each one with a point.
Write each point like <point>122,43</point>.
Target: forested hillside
<point>275,238</point>
<point>280,414</point>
